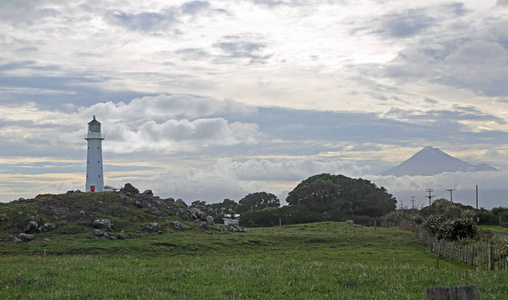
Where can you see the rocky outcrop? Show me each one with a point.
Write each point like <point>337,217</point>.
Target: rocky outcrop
<point>22,237</point>
<point>200,217</point>
<point>237,228</point>
<point>231,228</point>
<point>47,227</point>
<point>179,226</point>
<point>180,201</point>
<point>103,224</point>
<point>32,227</point>
<point>152,227</point>
<point>99,232</point>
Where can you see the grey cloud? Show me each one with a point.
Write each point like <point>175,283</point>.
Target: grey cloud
<point>194,7</point>
<point>503,42</point>
<point>450,63</point>
<point>451,117</point>
<point>146,21</point>
<point>193,53</point>
<point>239,49</point>
<point>406,24</point>
<point>23,11</point>
<point>275,3</point>
<point>398,126</point>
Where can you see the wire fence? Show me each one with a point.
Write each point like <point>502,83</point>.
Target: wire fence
<point>486,257</point>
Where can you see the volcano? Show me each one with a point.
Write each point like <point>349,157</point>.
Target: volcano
<point>431,161</point>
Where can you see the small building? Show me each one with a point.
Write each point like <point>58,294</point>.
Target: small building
<point>108,188</point>
<point>230,219</point>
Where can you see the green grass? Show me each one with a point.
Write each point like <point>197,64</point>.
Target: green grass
<point>314,261</point>
<point>494,228</point>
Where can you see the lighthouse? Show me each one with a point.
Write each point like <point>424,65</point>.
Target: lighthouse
<point>94,172</point>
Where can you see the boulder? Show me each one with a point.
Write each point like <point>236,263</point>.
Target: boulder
<point>209,220</point>
<point>120,236</point>
<point>138,204</point>
<point>237,228</point>
<point>179,226</point>
<point>32,227</point>
<point>148,193</point>
<point>152,227</point>
<point>180,201</point>
<point>25,237</point>
<point>47,227</point>
<point>350,222</point>
<point>98,232</point>
<point>16,240</point>
<point>197,214</point>
<point>102,224</point>
<point>202,225</point>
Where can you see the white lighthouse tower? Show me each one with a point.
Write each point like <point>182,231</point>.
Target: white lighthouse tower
<point>94,172</point>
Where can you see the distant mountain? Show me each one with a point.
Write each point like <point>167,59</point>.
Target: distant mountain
<point>432,161</point>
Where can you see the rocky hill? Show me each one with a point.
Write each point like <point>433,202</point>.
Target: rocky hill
<point>111,215</point>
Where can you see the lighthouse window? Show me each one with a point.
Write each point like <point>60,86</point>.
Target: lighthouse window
<point>99,161</point>
<point>98,148</point>
<point>99,175</point>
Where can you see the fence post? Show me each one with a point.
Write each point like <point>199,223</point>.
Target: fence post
<point>491,258</point>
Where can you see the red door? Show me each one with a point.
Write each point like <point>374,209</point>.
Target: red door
<point>92,188</point>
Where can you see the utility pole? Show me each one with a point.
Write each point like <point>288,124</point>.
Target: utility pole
<point>451,197</point>
<point>476,196</point>
<point>430,196</point>
<point>413,201</point>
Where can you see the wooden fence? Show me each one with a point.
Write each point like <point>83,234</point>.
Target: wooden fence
<point>481,256</point>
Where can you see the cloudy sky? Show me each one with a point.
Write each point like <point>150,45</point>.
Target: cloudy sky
<point>217,99</point>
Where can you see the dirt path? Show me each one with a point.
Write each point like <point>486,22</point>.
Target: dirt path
<point>500,234</point>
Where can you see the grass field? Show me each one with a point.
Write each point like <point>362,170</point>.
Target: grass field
<point>494,228</point>
<point>313,261</point>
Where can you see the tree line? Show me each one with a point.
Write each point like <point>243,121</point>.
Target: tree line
<point>322,197</point>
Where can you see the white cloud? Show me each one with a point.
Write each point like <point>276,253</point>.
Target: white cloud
<point>228,178</point>
<point>491,183</point>
<point>163,107</point>
<point>201,132</point>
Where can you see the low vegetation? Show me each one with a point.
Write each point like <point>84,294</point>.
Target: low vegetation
<point>318,260</point>
<point>310,260</point>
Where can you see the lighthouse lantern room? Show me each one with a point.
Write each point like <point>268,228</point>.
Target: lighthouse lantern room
<point>94,170</point>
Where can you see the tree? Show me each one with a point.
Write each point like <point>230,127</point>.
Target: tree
<point>201,205</point>
<point>340,196</point>
<point>258,201</point>
<point>226,207</point>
